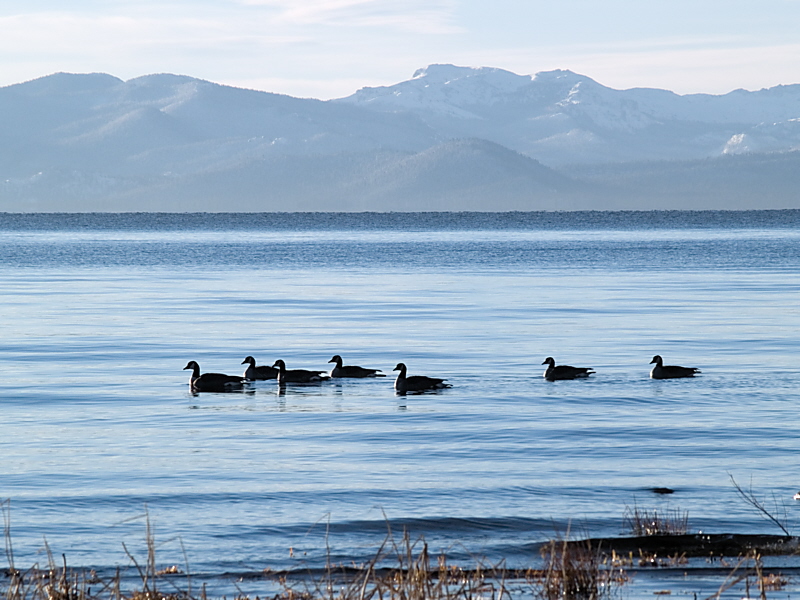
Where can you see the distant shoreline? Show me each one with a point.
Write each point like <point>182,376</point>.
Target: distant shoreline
<point>432,220</point>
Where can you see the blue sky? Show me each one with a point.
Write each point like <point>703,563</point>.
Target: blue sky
<point>330,48</point>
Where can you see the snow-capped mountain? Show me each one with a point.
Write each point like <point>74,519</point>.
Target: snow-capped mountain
<point>448,138</point>
<point>559,117</point>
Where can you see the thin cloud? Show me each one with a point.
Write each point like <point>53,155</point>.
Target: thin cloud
<point>415,16</point>
<point>330,48</point>
<point>54,34</point>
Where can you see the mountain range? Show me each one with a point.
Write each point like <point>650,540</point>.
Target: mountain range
<point>449,138</point>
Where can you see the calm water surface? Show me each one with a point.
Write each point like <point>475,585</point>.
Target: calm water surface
<point>100,313</point>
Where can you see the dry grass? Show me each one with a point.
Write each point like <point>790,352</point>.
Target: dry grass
<point>399,570</point>
<point>644,522</point>
<point>577,571</point>
<point>764,581</point>
<point>59,582</point>
<point>413,575</point>
<point>403,570</point>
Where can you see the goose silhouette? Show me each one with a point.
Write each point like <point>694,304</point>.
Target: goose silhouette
<point>563,372</point>
<point>297,375</point>
<point>416,383</point>
<point>213,382</point>
<point>260,372</point>
<point>340,370</point>
<point>662,371</point>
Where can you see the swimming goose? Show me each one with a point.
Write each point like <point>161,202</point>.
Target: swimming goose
<point>661,371</point>
<point>297,375</point>
<point>352,371</point>
<point>261,372</point>
<point>561,372</point>
<point>212,382</point>
<point>416,383</point>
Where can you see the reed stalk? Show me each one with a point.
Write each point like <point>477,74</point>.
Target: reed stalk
<point>645,522</point>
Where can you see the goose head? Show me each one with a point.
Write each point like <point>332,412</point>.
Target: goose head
<point>195,369</point>
<point>249,361</point>
<point>336,359</point>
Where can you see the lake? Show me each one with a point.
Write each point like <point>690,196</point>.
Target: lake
<point>100,313</point>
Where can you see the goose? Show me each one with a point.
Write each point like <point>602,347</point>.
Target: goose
<point>297,375</point>
<point>352,371</point>
<point>416,383</point>
<point>661,371</point>
<point>560,372</point>
<point>261,372</point>
<point>212,382</point>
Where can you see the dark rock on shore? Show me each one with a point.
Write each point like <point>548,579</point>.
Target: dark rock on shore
<point>697,545</point>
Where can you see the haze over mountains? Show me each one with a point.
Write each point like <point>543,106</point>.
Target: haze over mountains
<point>450,138</point>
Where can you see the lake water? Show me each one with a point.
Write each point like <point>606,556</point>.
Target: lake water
<point>100,313</point>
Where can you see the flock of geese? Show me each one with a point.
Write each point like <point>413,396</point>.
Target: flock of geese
<point>219,382</point>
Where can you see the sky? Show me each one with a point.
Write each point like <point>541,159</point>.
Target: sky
<point>331,48</point>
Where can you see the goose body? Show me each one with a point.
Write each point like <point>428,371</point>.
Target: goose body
<point>260,372</point>
<point>416,383</point>
<point>212,382</point>
<point>662,371</point>
<point>340,370</point>
<point>562,372</point>
<point>297,375</point>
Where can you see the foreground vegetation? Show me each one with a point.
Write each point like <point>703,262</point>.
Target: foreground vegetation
<point>402,570</point>
<point>399,571</point>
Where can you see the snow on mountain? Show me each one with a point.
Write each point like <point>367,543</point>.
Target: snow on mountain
<point>766,137</point>
<point>483,92</point>
<point>560,117</point>
<point>449,134</point>
<point>444,89</point>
